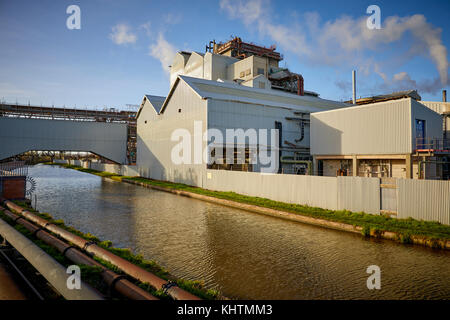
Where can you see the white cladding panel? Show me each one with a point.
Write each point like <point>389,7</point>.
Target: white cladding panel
<point>224,115</point>
<point>18,135</point>
<point>381,128</point>
<point>433,121</point>
<point>154,137</point>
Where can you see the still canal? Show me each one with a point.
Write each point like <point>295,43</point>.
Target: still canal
<point>242,254</point>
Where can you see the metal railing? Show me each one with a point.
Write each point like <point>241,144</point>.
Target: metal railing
<point>13,168</point>
<point>433,144</point>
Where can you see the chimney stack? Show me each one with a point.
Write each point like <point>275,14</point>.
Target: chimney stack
<point>444,95</point>
<point>354,86</point>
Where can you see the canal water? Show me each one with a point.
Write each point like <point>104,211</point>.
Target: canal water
<point>242,254</point>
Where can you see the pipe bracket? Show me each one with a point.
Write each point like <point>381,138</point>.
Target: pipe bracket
<point>87,244</point>
<point>111,286</point>
<point>67,249</point>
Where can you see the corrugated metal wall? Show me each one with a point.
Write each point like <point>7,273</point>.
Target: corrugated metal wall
<point>154,132</point>
<point>437,106</point>
<point>349,193</point>
<point>424,200</point>
<point>306,190</point>
<point>359,194</point>
<point>433,121</point>
<point>381,128</point>
<point>18,135</point>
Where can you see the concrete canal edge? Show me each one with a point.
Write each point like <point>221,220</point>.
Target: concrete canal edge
<point>388,235</point>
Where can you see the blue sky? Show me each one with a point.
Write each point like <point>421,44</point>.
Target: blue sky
<point>120,52</point>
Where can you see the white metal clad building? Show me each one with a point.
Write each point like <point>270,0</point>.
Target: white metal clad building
<point>217,105</point>
<point>441,108</point>
<point>379,128</point>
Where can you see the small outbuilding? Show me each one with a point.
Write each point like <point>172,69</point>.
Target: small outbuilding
<point>399,139</point>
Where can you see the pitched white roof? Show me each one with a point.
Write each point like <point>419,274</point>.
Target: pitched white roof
<point>155,101</point>
<point>209,89</point>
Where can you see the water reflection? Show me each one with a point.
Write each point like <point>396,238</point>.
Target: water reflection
<point>244,255</point>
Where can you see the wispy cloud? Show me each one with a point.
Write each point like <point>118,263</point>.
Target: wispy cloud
<point>146,27</point>
<point>172,18</point>
<point>348,41</point>
<point>122,35</point>
<point>163,51</point>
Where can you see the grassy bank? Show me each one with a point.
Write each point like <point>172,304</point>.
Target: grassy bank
<point>371,224</point>
<point>92,274</point>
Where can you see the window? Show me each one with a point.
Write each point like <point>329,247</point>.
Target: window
<point>248,72</point>
<point>420,134</point>
<point>242,74</point>
<point>145,121</point>
<point>420,128</point>
<point>179,110</point>
<point>261,71</point>
<point>262,85</point>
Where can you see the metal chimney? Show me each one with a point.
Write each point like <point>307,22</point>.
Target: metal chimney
<point>444,95</point>
<point>354,86</point>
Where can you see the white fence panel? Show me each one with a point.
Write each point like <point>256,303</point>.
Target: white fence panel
<point>306,190</point>
<point>359,194</point>
<point>424,200</point>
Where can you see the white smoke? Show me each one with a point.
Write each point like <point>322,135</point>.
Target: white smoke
<point>163,51</point>
<point>347,40</point>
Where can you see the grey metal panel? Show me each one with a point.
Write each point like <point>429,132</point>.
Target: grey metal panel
<point>380,128</point>
<point>224,115</point>
<point>388,199</point>
<point>424,199</point>
<point>18,135</point>
<point>306,190</point>
<point>359,194</point>
<point>433,121</point>
<point>154,132</point>
<point>437,106</point>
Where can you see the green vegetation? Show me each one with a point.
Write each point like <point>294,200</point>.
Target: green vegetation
<point>195,287</point>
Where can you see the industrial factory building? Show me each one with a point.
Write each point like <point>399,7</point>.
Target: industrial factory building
<point>235,86</point>
<point>238,85</point>
<point>399,138</point>
<point>221,105</point>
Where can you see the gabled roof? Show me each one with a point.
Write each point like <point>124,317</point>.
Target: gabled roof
<point>155,101</point>
<point>209,89</point>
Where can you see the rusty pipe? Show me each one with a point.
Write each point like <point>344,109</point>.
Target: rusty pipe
<point>129,268</point>
<point>50,269</point>
<point>300,85</point>
<point>113,280</point>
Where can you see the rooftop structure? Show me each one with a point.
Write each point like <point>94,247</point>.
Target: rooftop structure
<point>387,97</point>
<point>240,62</point>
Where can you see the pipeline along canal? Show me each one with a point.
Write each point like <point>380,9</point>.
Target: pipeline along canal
<point>242,254</point>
